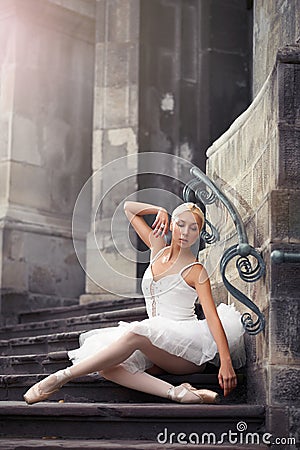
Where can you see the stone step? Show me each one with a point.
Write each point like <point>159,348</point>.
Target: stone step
<point>40,344</point>
<point>72,444</point>
<point>31,364</point>
<point>41,315</point>
<point>81,323</point>
<point>125,421</point>
<point>94,388</point>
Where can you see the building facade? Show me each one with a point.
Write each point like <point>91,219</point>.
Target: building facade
<point>86,82</point>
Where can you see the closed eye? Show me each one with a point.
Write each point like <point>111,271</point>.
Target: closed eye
<point>194,228</point>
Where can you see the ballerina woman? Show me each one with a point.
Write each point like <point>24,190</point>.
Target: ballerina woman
<point>172,339</point>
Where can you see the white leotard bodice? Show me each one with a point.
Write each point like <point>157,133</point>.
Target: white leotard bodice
<point>171,296</point>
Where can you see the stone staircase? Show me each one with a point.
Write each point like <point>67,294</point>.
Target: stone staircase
<point>91,412</point>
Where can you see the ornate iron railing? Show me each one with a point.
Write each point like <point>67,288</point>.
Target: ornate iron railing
<point>207,192</point>
<point>279,257</point>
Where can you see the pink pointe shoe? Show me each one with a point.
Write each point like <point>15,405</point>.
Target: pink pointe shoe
<point>36,394</point>
<point>185,393</point>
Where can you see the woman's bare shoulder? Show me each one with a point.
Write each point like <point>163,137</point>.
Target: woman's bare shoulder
<point>199,273</point>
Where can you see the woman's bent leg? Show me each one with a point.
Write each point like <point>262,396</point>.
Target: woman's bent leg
<point>122,348</point>
<point>140,381</point>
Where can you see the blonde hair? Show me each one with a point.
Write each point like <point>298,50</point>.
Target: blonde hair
<point>189,206</point>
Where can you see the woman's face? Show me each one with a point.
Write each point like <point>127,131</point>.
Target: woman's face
<point>186,228</point>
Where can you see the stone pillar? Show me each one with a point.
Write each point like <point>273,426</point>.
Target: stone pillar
<point>114,136</point>
<point>47,60</point>
<point>284,344</point>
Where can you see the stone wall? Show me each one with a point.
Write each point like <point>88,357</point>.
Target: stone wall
<point>256,163</point>
<point>47,60</point>
<point>276,23</point>
<point>115,131</point>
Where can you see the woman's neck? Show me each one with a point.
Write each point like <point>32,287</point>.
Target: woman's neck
<point>175,253</point>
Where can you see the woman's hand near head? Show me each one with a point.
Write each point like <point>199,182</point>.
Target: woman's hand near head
<point>161,223</point>
<point>134,212</point>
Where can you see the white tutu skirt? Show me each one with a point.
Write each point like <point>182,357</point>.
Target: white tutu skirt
<point>190,339</point>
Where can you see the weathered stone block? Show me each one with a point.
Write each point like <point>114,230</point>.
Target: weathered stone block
<point>52,270</point>
<point>41,279</point>
<point>277,423</point>
<point>284,385</point>
<point>285,278</point>
<point>14,275</point>
<point>279,205</point>
<point>289,156</point>
<point>294,216</point>
<point>118,21</point>
<point>284,330</point>
<point>24,192</point>
<point>117,56</point>
<point>115,106</point>
<point>289,93</point>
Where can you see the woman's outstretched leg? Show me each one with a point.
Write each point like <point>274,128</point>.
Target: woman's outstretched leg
<point>145,382</point>
<point>140,381</point>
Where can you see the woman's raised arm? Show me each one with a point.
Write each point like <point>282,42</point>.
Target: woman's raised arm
<point>153,238</point>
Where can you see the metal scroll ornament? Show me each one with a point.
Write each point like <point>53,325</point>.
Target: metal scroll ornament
<point>249,269</point>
